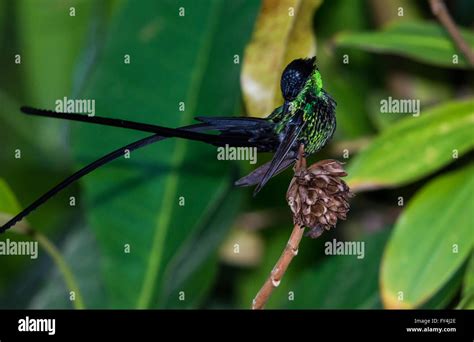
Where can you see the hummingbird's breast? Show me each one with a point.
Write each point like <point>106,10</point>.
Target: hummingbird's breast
<point>320,119</point>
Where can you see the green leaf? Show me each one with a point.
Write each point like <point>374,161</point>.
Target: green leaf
<point>469,277</point>
<point>445,295</point>
<point>467,299</point>
<point>352,118</point>
<point>342,281</point>
<point>49,51</point>
<point>11,265</point>
<point>422,41</point>
<point>431,240</point>
<point>10,206</point>
<point>30,167</point>
<point>283,32</point>
<point>50,42</point>
<point>190,268</point>
<point>414,147</point>
<point>161,198</point>
<point>81,252</point>
<point>8,201</point>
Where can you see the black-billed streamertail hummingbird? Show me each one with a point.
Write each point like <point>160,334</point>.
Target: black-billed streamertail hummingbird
<point>307,117</point>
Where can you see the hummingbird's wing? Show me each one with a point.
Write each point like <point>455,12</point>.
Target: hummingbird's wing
<point>284,149</point>
<point>257,175</point>
<point>243,131</point>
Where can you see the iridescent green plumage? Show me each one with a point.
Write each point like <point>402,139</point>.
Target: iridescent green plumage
<point>317,108</point>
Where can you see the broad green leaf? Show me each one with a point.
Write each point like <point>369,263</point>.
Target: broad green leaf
<point>354,110</point>
<point>190,268</point>
<point>414,147</point>
<point>342,281</point>
<point>431,240</point>
<point>443,297</point>
<point>8,201</point>
<point>422,41</point>
<point>351,111</point>
<point>51,34</point>
<point>49,51</point>
<point>8,207</point>
<point>32,152</point>
<point>81,252</point>
<point>283,32</point>
<point>426,88</point>
<point>467,298</point>
<point>469,277</point>
<point>102,14</point>
<point>11,265</point>
<point>30,167</point>
<point>16,126</point>
<point>147,209</point>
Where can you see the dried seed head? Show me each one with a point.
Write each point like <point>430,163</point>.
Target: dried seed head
<point>318,197</point>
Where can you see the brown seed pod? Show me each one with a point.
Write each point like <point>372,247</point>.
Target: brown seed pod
<point>318,197</point>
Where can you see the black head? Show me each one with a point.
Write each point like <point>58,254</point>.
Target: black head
<point>295,76</point>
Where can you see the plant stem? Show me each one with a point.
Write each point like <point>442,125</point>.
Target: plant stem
<point>25,229</point>
<point>63,267</point>
<point>290,251</point>
<point>440,11</point>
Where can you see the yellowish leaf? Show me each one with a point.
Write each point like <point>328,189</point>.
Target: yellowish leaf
<point>283,32</point>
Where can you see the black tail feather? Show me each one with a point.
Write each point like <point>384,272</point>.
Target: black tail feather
<point>88,169</point>
<point>161,130</point>
<point>246,132</point>
<point>256,132</point>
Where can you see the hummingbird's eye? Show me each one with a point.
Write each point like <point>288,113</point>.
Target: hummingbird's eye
<point>295,76</point>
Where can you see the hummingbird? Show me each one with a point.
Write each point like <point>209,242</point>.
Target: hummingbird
<point>307,116</point>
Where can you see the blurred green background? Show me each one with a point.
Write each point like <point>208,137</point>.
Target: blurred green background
<point>166,228</point>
